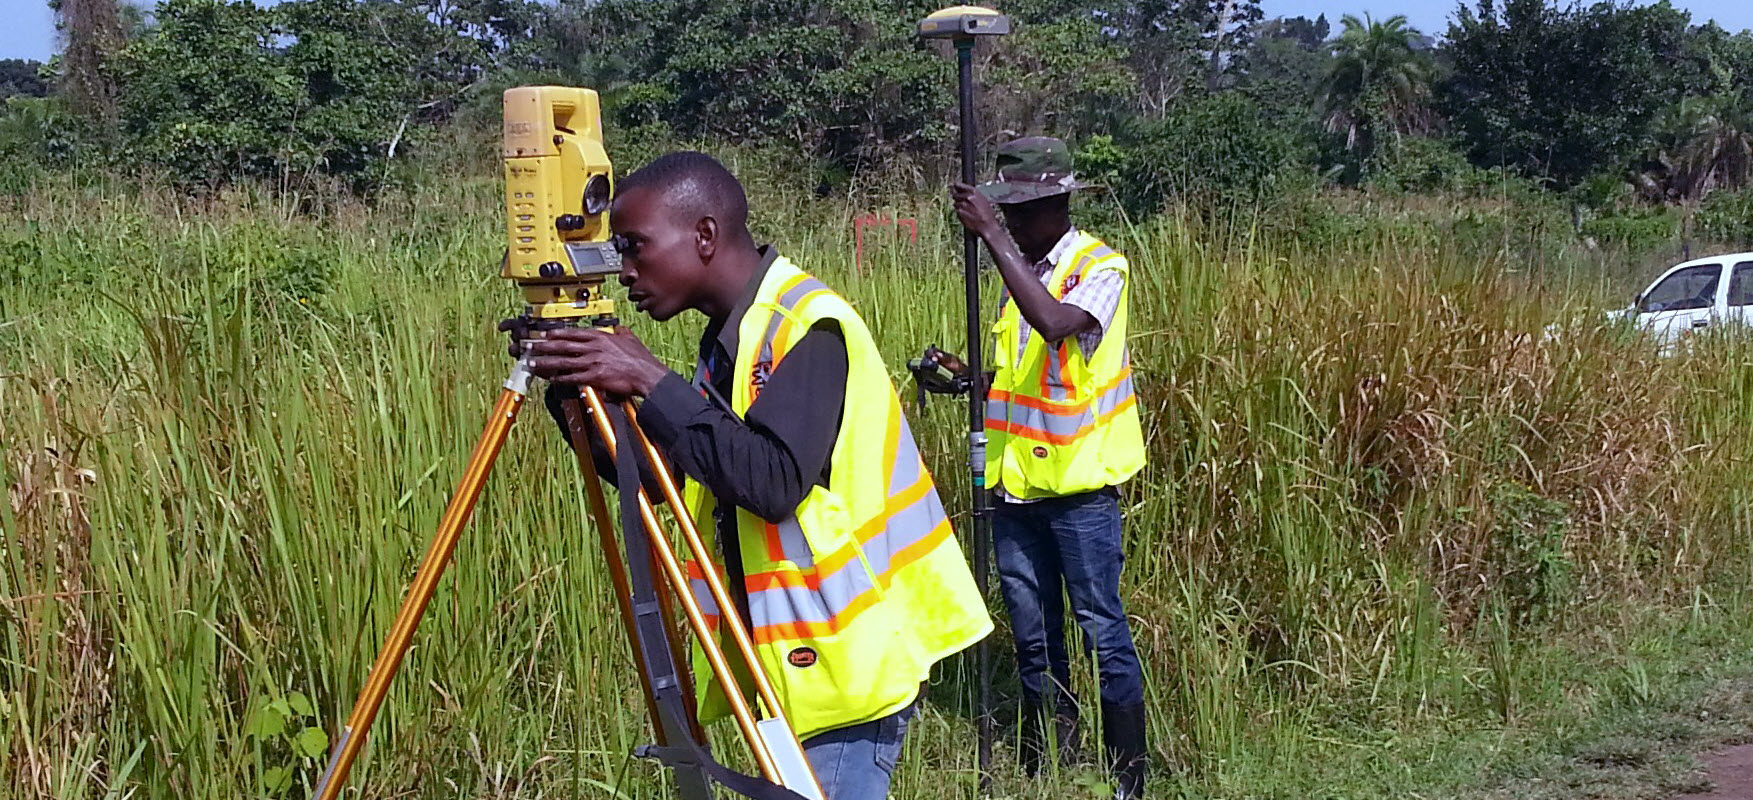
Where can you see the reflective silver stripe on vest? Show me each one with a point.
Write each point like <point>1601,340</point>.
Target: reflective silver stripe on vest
<point>703,596</point>
<point>780,604</point>
<point>837,591</point>
<point>794,546</point>
<point>789,301</point>
<point>1059,427</point>
<point>1055,388</point>
<point>908,466</point>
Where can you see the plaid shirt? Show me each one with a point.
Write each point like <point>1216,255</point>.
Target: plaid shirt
<point>1098,294</point>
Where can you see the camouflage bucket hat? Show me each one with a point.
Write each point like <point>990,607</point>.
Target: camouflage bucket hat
<point>1030,169</point>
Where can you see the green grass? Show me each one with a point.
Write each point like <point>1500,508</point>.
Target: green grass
<point>1394,540</point>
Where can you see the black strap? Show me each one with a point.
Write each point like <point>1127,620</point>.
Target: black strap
<point>688,757</point>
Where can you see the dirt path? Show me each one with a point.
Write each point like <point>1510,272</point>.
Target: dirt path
<point>1731,773</point>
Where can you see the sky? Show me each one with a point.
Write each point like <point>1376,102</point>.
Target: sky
<point>27,27</point>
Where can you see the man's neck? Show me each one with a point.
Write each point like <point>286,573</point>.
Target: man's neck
<point>1047,249</point>
<point>732,272</point>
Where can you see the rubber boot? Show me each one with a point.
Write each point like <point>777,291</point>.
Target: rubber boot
<point>1123,732</point>
<point>1066,728</point>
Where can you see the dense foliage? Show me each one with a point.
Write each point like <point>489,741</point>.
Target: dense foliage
<point>1187,101</point>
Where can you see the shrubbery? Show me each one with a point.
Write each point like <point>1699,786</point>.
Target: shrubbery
<point>1213,152</point>
<point>1727,217</point>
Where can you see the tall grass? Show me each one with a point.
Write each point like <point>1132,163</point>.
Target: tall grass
<point>1377,484</point>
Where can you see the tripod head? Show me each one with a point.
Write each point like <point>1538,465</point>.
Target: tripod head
<point>558,183</point>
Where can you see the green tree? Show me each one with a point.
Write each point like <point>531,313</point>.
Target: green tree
<point>844,79</point>
<point>305,89</point>
<point>1282,70</point>
<point>19,77</point>
<point>1174,45</point>
<point>1376,84</point>
<point>1562,93</point>
<point>1056,76</point>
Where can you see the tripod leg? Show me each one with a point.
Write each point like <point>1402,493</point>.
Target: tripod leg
<point>599,509</point>
<point>777,734</point>
<point>450,527</point>
<point>678,580</point>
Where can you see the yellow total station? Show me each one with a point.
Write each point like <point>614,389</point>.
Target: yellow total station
<point>558,183</point>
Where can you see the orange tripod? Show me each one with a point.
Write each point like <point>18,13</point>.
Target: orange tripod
<point>649,620</point>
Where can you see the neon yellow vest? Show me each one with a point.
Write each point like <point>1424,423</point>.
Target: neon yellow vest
<point>1056,422</point>
<point>856,596</point>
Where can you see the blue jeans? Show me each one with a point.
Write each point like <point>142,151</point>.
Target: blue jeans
<point>856,762</point>
<point>1072,545</point>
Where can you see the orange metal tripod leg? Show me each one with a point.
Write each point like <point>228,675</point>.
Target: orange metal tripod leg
<point>611,549</point>
<point>450,527</point>
<point>678,580</point>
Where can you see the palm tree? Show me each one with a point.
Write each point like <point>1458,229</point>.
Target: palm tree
<point>1719,151</point>
<point>1709,146</point>
<point>1376,81</point>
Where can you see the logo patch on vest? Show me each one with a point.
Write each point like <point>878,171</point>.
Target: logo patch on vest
<point>1040,452</point>
<point>802,657</point>
<point>1070,283</point>
<point>759,375</point>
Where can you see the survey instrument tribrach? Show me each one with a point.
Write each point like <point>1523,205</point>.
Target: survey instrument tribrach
<point>558,187</point>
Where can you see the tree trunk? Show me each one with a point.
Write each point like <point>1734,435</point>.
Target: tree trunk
<point>94,33</point>
<point>1224,14</point>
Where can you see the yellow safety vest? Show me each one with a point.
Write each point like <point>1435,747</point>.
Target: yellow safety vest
<point>855,597</point>
<point>1056,422</point>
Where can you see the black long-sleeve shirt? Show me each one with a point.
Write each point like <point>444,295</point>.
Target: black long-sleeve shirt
<point>767,460</point>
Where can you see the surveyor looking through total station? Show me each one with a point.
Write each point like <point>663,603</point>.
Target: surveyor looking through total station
<point>790,435</point>
<point>1063,432</point>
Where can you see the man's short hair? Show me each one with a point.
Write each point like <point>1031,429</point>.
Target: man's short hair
<point>694,185</point>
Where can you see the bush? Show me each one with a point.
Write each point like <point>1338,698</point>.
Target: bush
<point>1214,152</point>
<point>1640,230</point>
<point>1726,217</point>
<point>37,132</point>
<point>1420,164</point>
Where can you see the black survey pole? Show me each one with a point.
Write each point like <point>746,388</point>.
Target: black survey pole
<point>982,527</point>
<point>961,24</point>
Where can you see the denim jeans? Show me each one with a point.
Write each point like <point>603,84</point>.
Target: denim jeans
<point>1068,545</point>
<point>856,762</point>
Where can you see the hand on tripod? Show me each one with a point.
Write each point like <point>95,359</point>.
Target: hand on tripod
<point>613,362</point>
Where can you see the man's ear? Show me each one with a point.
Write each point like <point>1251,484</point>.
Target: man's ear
<point>706,237</point>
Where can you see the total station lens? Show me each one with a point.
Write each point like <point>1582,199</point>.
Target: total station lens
<point>596,195</point>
